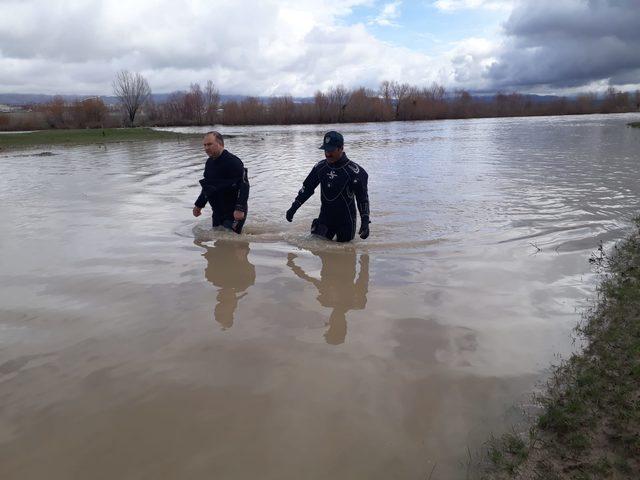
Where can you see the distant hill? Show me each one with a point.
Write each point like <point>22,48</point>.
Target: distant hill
<point>18,99</point>
<point>536,99</point>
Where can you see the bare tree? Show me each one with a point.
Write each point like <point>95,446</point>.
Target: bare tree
<point>436,101</point>
<point>462,105</point>
<point>194,105</point>
<point>586,102</point>
<point>231,114</point>
<point>615,101</point>
<point>321,105</point>
<point>88,113</point>
<point>174,108</point>
<point>339,99</point>
<point>399,92</point>
<point>132,89</point>
<point>212,102</point>
<point>387,100</point>
<point>364,106</point>
<point>56,112</point>
<point>281,110</point>
<point>253,111</point>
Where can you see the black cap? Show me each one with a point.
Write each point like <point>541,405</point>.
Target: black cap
<point>332,140</point>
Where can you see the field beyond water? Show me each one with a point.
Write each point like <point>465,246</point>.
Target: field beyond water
<point>86,137</point>
<point>590,424</point>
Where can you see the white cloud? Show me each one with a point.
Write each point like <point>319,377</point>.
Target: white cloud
<point>275,47</point>
<point>453,5</point>
<point>389,13</point>
<point>251,47</point>
<point>469,59</point>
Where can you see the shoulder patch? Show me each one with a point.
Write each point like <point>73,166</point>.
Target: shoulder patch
<point>354,166</point>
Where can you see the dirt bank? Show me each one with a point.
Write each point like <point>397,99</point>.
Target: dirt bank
<point>589,427</point>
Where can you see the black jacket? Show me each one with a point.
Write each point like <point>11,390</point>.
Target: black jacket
<point>225,185</point>
<point>339,184</point>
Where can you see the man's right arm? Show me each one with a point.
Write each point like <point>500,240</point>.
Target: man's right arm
<point>200,203</point>
<point>202,200</point>
<point>308,187</point>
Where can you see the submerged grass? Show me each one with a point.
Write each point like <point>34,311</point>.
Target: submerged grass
<point>86,136</point>
<point>635,124</point>
<point>589,427</point>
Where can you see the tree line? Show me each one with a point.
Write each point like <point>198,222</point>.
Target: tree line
<point>390,102</point>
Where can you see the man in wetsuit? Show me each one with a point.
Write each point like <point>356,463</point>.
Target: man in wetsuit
<point>225,185</point>
<point>340,181</point>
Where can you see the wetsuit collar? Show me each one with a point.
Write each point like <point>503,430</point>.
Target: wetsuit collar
<point>342,161</point>
<point>222,154</point>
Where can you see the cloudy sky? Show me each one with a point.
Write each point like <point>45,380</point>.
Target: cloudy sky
<point>274,47</point>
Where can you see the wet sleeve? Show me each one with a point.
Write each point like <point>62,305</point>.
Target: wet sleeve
<point>308,187</point>
<point>201,202</point>
<point>361,190</point>
<point>243,191</point>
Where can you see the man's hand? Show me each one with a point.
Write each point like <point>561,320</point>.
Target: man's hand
<point>238,215</point>
<point>197,211</point>
<point>290,213</point>
<point>364,228</point>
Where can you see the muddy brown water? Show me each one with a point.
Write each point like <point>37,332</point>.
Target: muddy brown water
<point>137,343</point>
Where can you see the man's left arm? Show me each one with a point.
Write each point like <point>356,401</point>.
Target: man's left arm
<point>238,174</point>
<point>243,196</point>
<point>361,190</point>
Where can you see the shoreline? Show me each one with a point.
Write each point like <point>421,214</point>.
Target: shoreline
<point>154,125</point>
<point>87,137</point>
<point>590,413</point>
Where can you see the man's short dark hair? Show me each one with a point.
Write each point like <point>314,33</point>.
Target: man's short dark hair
<point>217,135</point>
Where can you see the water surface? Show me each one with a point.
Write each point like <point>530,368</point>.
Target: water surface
<point>137,343</point>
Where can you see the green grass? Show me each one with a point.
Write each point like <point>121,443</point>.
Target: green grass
<point>507,452</point>
<point>590,424</point>
<point>87,136</point>
<point>635,124</point>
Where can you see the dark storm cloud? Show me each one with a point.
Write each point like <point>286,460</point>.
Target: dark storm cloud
<point>569,43</point>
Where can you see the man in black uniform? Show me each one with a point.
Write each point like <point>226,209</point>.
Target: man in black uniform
<point>225,185</point>
<point>340,180</point>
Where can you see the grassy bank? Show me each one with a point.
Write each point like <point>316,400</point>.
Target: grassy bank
<point>86,136</point>
<point>589,427</point>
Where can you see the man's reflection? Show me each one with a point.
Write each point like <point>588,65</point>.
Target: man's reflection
<point>229,269</point>
<point>338,287</point>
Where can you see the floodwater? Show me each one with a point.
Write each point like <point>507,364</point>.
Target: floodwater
<point>135,343</point>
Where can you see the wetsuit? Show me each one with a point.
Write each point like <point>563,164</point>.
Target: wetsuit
<point>226,187</point>
<point>339,183</point>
